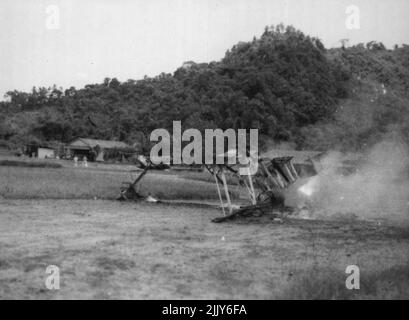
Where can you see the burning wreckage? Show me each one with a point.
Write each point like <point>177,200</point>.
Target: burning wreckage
<point>265,188</point>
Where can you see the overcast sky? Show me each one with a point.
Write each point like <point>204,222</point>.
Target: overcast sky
<point>94,39</point>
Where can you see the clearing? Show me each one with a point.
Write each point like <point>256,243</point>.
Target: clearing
<point>109,249</point>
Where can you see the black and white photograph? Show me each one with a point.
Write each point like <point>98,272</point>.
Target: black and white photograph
<point>218,151</point>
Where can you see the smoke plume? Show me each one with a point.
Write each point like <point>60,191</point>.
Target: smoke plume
<point>378,186</point>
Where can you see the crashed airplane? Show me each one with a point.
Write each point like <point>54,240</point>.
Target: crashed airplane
<point>265,186</point>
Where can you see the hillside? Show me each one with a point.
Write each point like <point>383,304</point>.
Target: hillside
<point>286,84</point>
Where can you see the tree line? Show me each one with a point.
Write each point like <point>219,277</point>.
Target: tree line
<point>284,83</point>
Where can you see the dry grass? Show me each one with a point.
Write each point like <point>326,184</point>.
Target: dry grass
<point>82,183</point>
<point>319,283</point>
<point>206,176</point>
<point>112,249</point>
<point>29,164</point>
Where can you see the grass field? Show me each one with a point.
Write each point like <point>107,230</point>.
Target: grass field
<point>109,249</point>
<point>29,164</point>
<point>88,183</point>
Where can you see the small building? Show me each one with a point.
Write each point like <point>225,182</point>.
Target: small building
<point>40,151</point>
<point>45,153</point>
<point>93,149</point>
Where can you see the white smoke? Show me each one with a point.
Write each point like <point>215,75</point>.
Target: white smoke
<point>378,188</point>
